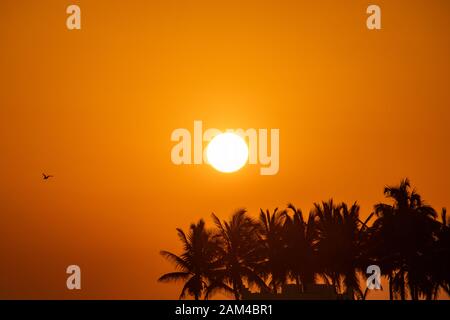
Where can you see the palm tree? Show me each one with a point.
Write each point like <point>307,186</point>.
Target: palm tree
<point>403,233</point>
<point>238,254</point>
<point>273,248</point>
<point>439,256</point>
<point>197,262</point>
<point>406,241</point>
<point>339,245</point>
<point>354,242</point>
<point>443,252</point>
<point>365,255</point>
<point>301,239</point>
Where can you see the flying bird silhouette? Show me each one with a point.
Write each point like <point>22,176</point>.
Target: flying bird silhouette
<point>46,176</point>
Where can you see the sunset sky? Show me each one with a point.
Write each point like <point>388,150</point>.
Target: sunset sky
<point>357,110</point>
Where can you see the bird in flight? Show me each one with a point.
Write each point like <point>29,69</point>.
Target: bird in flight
<point>46,176</point>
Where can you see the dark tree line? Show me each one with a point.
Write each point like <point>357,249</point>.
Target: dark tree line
<point>406,239</point>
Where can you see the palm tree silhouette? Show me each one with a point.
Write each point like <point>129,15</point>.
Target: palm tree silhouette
<point>339,245</point>
<point>439,258</point>
<point>442,251</point>
<point>403,231</point>
<point>238,255</point>
<point>273,248</point>
<point>300,237</point>
<point>332,244</point>
<point>196,263</point>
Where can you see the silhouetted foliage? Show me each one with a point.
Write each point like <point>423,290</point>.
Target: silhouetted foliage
<point>238,254</point>
<point>197,262</point>
<point>332,245</point>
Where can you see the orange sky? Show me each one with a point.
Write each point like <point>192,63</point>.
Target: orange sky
<point>356,109</point>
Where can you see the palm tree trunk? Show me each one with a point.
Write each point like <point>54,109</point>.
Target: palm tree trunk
<point>298,283</point>
<point>402,287</point>
<point>365,293</point>
<point>391,293</point>
<point>236,291</point>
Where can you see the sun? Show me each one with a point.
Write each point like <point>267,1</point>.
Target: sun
<point>227,152</point>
